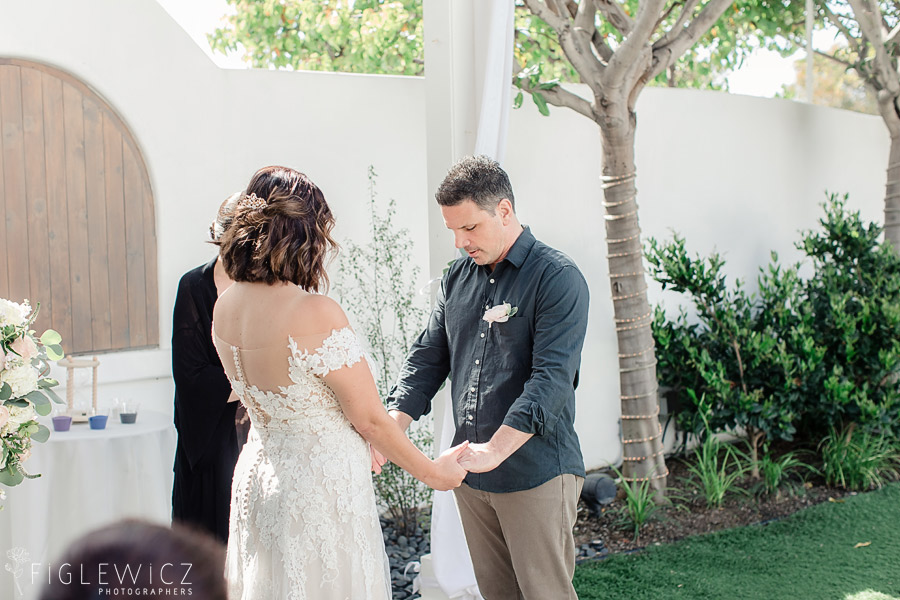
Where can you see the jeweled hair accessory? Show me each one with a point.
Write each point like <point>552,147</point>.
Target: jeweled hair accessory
<point>252,202</point>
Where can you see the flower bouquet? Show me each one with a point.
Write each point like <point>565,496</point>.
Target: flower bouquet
<point>25,391</point>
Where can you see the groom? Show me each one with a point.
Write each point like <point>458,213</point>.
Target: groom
<point>508,327</point>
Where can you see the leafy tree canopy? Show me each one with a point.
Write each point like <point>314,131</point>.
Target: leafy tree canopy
<point>365,36</point>
<point>380,36</point>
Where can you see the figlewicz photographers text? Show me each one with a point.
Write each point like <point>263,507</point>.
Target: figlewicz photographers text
<point>120,579</point>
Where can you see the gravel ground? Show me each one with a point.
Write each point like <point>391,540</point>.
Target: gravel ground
<point>403,550</point>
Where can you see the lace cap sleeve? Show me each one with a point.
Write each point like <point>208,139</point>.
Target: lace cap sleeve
<point>338,350</point>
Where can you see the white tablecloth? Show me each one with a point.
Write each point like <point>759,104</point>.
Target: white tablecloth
<point>89,478</point>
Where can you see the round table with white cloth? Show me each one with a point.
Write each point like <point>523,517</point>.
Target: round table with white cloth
<point>89,478</point>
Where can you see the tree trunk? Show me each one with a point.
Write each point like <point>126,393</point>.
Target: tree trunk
<point>641,432</point>
<point>888,107</point>
<point>892,195</point>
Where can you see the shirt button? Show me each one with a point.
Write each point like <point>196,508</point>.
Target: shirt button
<point>482,335</point>
<point>477,361</point>
<point>471,389</point>
<point>492,281</point>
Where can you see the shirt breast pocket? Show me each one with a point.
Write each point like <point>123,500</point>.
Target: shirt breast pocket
<point>512,343</point>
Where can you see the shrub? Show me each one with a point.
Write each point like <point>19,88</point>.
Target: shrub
<point>808,354</point>
<point>859,460</point>
<point>379,289</point>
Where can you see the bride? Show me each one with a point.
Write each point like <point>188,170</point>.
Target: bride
<point>303,518</point>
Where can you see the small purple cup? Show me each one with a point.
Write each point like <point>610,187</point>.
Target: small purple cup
<point>62,422</point>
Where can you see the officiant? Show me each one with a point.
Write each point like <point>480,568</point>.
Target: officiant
<point>211,429</point>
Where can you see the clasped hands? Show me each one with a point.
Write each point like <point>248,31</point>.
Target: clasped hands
<point>454,463</point>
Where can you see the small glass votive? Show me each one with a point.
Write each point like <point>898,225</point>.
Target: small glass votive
<point>128,412</point>
<point>98,421</point>
<point>62,422</point>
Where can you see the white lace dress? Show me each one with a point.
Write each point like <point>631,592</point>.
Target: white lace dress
<point>303,518</point>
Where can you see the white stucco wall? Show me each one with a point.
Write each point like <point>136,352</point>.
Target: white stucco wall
<point>739,174</point>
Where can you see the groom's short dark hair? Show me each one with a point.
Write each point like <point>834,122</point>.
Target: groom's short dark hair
<point>476,178</point>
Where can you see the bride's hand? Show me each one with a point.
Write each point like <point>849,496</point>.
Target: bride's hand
<point>449,473</point>
<point>378,460</point>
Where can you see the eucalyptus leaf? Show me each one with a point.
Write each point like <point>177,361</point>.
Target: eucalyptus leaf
<point>54,352</point>
<point>11,476</point>
<point>42,434</point>
<point>40,402</point>
<point>5,391</point>
<point>50,338</point>
<point>47,383</point>
<point>54,396</point>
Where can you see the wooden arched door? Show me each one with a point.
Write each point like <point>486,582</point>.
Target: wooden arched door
<point>77,225</point>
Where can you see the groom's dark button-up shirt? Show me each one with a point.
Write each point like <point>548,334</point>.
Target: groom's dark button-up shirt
<point>520,373</point>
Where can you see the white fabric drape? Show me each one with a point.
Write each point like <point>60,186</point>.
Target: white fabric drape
<point>450,556</point>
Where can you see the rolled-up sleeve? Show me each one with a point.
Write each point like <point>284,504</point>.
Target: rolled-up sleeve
<point>561,312</point>
<point>426,367</point>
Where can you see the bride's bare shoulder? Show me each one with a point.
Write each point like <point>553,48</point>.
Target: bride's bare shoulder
<point>317,313</point>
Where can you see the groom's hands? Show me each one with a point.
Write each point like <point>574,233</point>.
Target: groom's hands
<point>448,473</point>
<point>480,458</point>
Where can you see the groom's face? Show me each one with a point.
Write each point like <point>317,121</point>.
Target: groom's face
<point>481,234</point>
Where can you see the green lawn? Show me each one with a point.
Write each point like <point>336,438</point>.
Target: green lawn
<point>811,554</point>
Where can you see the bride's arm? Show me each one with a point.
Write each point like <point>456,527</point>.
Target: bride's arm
<point>356,392</point>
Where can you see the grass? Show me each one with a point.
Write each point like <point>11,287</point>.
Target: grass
<point>811,554</point>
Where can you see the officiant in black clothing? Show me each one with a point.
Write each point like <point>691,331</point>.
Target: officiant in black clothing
<point>209,440</point>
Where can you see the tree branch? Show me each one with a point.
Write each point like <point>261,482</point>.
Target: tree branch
<point>575,42</point>
<point>679,24</point>
<point>666,52</point>
<point>557,22</point>
<point>613,12</point>
<point>834,58</point>
<point>589,9</point>
<point>559,96</point>
<point>869,17</point>
<point>834,20</point>
<point>627,58</point>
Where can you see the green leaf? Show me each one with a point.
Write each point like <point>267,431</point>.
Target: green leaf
<point>47,383</point>
<point>53,396</point>
<point>50,338</point>
<point>40,402</point>
<point>10,476</point>
<point>5,392</point>
<point>54,352</point>
<point>540,103</point>
<point>517,102</point>
<point>42,434</point>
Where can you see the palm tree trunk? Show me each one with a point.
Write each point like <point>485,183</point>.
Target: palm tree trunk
<point>641,431</point>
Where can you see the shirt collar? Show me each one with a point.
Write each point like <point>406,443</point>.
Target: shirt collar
<point>521,247</point>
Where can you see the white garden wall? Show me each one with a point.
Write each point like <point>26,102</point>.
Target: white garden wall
<point>735,173</point>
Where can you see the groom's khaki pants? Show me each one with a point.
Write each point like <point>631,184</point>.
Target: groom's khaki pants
<point>521,542</point>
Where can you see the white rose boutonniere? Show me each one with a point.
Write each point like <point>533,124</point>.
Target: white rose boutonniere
<point>499,314</point>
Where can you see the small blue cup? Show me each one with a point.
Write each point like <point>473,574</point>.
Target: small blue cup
<point>98,422</point>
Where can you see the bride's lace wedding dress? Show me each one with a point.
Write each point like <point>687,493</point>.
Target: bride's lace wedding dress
<point>303,518</point>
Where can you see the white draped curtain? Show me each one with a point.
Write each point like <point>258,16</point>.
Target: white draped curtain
<point>452,565</point>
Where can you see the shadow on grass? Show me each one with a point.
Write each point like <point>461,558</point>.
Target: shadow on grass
<point>845,550</point>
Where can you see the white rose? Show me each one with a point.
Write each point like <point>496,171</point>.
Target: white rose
<point>2,359</point>
<point>22,379</point>
<point>12,313</point>
<point>4,416</point>
<point>19,415</point>
<point>498,314</point>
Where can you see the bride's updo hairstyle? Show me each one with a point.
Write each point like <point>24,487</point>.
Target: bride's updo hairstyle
<point>281,231</point>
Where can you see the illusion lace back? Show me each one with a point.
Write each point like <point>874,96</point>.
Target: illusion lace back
<point>303,518</point>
